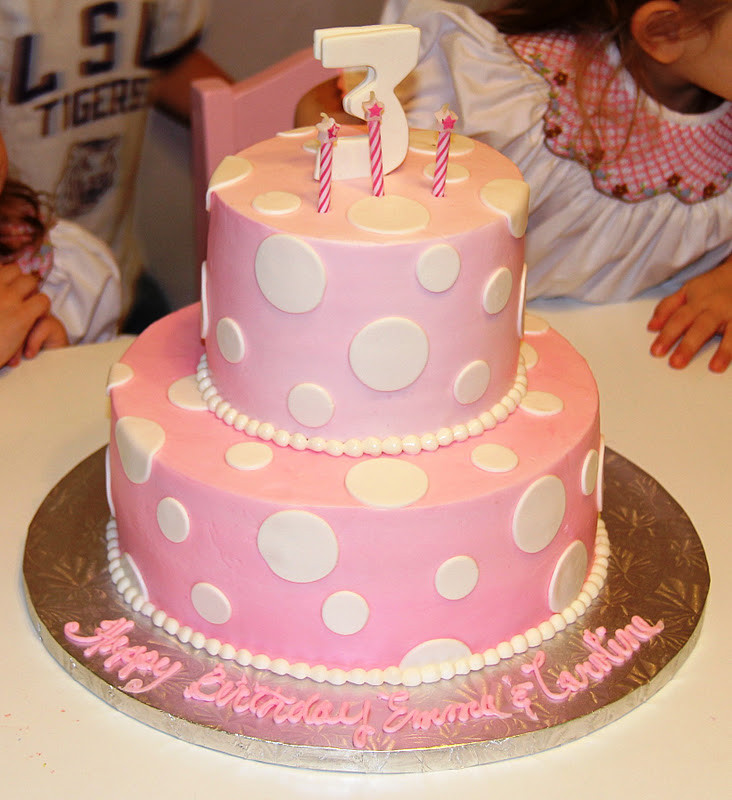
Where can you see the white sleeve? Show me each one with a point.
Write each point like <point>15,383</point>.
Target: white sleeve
<point>465,62</point>
<point>83,285</point>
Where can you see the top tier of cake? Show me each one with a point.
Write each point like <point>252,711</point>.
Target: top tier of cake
<point>386,318</point>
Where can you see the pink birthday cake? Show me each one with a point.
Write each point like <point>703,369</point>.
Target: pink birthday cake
<point>358,459</point>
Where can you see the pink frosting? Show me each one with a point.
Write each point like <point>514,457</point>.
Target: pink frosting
<point>367,276</point>
<point>388,558</point>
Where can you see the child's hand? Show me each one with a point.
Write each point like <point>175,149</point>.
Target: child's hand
<point>21,307</point>
<point>47,334</point>
<point>694,314</point>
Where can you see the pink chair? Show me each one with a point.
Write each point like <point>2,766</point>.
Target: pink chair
<point>227,118</point>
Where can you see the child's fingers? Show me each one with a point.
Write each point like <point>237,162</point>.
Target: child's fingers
<point>36,306</point>
<point>672,330</point>
<point>665,309</point>
<point>36,338</point>
<point>722,358</point>
<point>48,333</point>
<point>31,316</point>
<point>698,333</point>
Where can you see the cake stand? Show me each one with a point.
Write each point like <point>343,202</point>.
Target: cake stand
<point>658,581</point>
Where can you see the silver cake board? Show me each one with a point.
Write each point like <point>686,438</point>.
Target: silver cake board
<point>658,572</point>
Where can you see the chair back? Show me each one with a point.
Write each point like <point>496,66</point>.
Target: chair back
<point>226,118</point>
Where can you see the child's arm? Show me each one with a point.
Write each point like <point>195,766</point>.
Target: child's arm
<point>325,97</point>
<point>701,309</point>
<point>21,307</point>
<point>172,89</point>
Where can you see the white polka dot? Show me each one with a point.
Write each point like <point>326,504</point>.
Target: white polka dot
<point>119,374</point>
<point>472,382</point>
<point>531,357</point>
<point>108,482</point>
<point>456,173</point>
<point>185,394</point>
<point>542,404</point>
<point>539,513</point>
<point>568,578</point>
<point>389,353</point>
<point>600,473</point>
<point>345,613</point>
<point>276,203</point>
<point>290,273</point>
<point>435,651</point>
<point>298,546</point>
<point>138,441</point>
<point>173,519</point>
<point>230,340</point>
<point>438,267</point>
<point>390,214</point>
<point>204,300</point>
<point>211,603</point>
<point>535,325</point>
<point>231,170</point>
<point>424,141</point>
<point>494,458</point>
<point>248,456</point>
<point>457,577</point>
<point>522,303</point>
<point>590,470</point>
<point>510,198</point>
<point>310,405</point>
<point>295,133</point>
<point>497,290</point>
<point>386,483</point>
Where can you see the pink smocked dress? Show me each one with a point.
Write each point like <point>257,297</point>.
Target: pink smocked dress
<point>609,217</point>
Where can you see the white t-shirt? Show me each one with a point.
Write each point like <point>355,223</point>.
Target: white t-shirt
<point>597,235</point>
<point>74,83</point>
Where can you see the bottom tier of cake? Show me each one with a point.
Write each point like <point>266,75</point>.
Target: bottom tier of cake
<point>398,568</point>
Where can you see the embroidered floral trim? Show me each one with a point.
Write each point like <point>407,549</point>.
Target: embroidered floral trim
<point>692,162</point>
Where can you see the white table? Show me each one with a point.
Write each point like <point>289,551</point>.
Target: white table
<point>57,740</point>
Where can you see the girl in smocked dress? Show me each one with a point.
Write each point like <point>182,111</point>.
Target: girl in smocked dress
<point>618,114</point>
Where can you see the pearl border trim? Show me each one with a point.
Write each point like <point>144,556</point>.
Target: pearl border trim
<point>393,676</point>
<point>371,445</point>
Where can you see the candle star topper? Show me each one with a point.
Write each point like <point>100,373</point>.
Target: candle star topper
<point>446,117</point>
<point>373,108</point>
<point>327,129</point>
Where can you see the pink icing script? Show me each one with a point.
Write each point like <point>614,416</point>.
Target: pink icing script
<point>603,658</point>
<point>264,702</point>
<point>110,640</point>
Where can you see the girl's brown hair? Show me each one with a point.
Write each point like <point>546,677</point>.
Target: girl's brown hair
<point>25,217</point>
<point>588,16</point>
<point>596,24</point>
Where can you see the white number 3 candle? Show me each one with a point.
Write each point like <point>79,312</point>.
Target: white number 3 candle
<point>389,52</point>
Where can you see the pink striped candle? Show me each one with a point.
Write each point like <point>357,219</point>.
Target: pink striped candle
<point>373,110</point>
<point>446,120</point>
<point>327,134</point>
